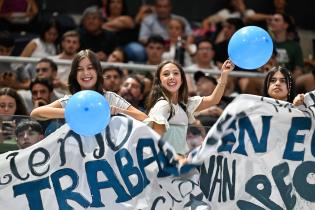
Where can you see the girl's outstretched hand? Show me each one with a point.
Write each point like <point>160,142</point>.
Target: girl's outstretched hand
<point>227,66</point>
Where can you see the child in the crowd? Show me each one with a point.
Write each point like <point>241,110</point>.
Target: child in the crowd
<point>86,74</point>
<point>170,108</point>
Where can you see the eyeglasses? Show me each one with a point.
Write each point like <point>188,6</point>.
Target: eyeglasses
<point>41,69</point>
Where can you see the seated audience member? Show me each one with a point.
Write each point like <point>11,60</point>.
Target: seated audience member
<point>45,68</point>
<point>155,47</point>
<point>44,45</point>
<point>203,60</point>
<point>113,77</point>
<point>157,22</point>
<point>306,82</point>
<point>10,76</point>
<point>11,104</point>
<point>70,45</point>
<point>132,91</point>
<point>42,92</point>
<point>179,48</point>
<point>28,132</point>
<point>205,85</point>
<point>289,53</point>
<point>16,15</point>
<point>117,56</point>
<point>230,26</point>
<point>120,22</point>
<point>93,37</point>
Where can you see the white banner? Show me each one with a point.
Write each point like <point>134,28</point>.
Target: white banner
<point>260,155</point>
<point>125,167</point>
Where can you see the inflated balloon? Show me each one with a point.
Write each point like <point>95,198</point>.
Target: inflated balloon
<point>87,113</point>
<point>250,47</point>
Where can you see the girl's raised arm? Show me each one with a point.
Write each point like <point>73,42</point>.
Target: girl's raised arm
<point>218,92</point>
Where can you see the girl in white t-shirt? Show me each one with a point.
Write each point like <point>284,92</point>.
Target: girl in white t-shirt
<point>170,108</point>
<point>86,74</point>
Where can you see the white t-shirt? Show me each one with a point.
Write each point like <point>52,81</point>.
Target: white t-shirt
<point>177,125</point>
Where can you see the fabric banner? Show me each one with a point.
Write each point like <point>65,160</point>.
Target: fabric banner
<point>125,167</point>
<point>260,155</point>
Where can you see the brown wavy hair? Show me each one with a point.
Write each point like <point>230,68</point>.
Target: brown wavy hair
<point>158,91</point>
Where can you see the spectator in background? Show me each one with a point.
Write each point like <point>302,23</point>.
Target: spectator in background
<point>203,60</point>
<point>16,15</point>
<point>155,48</point>
<point>118,19</point>
<point>205,85</point>
<point>230,26</point>
<point>10,76</point>
<point>45,68</point>
<point>132,90</point>
<point>113,77</point>
<point>70,45</point>
<point>93,37</point>
<point>117,56</point>
<point>178,49</point>
<point>28,132</point>
<point>11,104</point>
<point>44,45</point>
<point>42,92</point>
<point>157,22</point>
<point>306,82</point>
<point>289,52</point>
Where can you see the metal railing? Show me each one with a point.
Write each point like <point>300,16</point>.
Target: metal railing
<point>130,66</point>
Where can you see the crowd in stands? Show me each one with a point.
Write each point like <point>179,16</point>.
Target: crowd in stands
<point>154,35</point>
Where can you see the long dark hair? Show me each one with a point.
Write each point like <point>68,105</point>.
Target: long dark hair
<point>158,91</point>
<point>288,78</point>
<point>74,86</point>
<point>20,107</point>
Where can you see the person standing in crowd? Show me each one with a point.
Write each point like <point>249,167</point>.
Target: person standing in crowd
<point>93,37</point>
<point>86,74</point>
<point>113,77</point>
<point>170,109</point>
<point>28,132</point>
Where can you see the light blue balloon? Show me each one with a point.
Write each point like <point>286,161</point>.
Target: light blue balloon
<point>87,113</point>
<point>250,47</point>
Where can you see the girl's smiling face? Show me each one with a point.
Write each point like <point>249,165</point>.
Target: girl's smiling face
<point>86,74</point>
<point>170,78</point>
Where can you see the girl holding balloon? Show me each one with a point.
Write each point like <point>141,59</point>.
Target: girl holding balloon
<point>86,74</point>
<point>170,108</point>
